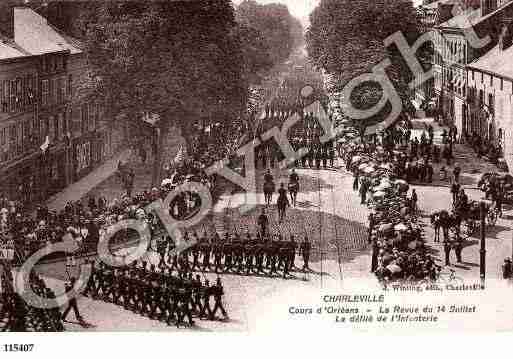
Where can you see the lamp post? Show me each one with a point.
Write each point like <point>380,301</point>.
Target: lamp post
<point>482,251</point>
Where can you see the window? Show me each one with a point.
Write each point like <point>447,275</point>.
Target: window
<point>491,80</point>
<point>19,94</point>
<point>481,97</point>
<point>472,75</point>
<point>3,135</point>
<point>12,141</point>
<point>84,118</point>
<point>30,90</point>
<point>45,91</point>
<point>55,90</point>
<point>62,83</point>
<point>51,128</point>
<point>70,86</point>
<point>92,116</point>
<point>12,96</point>
<point>482,77</point>
<point>502,84</point>
<point>491,104</point>
<point>35,128</point>
<point>26,134</point>
<point>19,138</point>
<point>2,97</point>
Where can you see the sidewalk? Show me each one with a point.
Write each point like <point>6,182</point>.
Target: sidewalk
<point>77,190</point>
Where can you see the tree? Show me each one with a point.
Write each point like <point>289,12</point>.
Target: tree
<point>346,37</point>
<point>167,59</point>
<point>274,24</point>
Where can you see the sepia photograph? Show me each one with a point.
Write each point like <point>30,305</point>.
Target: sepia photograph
<point>245,166</point>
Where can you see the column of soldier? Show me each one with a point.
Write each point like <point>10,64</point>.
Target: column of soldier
<point>18,316</point>
<point>259,255</point>
<point>156,293</point>
<point>306,134</point>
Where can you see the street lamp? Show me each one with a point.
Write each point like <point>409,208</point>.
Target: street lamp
<point>482,251</point>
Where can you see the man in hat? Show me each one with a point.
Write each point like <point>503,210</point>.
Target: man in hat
<point>263,223</point>
<point>304,249</point>
<point>218,293</point>
<point>507,268</point>
<point>72,304</point>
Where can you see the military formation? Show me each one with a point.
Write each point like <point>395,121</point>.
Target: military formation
<point>17,316</point>
<point>259,255</point>
<point>157,293</point>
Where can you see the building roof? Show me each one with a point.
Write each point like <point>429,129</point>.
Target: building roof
<point>10,50</point>
<point>34,34</point>
<point>472,17</point>
<point>496,62</point>
<point>462,21</point>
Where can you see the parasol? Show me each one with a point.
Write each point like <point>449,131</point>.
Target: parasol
<point>400,227</point>
<point>394,268</point>
<point>385,227</point>
<point>379,194</point>
<point>166,181</point>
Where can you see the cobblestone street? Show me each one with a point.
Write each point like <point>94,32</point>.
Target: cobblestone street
<point>330,214</point>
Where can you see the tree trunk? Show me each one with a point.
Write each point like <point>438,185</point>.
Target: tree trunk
<point>158,142</point>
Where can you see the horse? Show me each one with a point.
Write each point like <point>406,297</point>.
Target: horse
<point>445,220</point>
<point>439,220</point>
<point>269,189</point>
<point>293,190</point>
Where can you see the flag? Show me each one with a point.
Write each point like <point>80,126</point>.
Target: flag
<point>45,144</point>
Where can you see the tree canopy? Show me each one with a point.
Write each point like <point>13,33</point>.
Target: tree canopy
<point>346,38</point>
<point>275,26</point>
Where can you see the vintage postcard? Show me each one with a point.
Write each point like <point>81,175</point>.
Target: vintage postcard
<point>252,166</point>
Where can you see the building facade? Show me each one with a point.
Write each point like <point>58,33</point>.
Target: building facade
<point>453,52</point>
<point>19,133</point>
<point>49,137</point>
<point>490,95</point>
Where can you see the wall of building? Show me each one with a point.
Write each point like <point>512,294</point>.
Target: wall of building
<point>18,126</point>
<point>498,116</point>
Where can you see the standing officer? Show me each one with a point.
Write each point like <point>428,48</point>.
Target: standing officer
<point>206,309</point>
<point>218,255</point>
<point>228,256</point>
<point>447,251</point>
<point>331,153</point>
<point>72,304</point>
<point>249,252</point>
<point>263,223</point>
<point>218,293</point>
<point>259,253</point>
<point>206,249</point>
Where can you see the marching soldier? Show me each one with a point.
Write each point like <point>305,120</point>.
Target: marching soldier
<point>196,292</point>
<point>228,256</point>
<point>90,289</point>
<point>260,253</point>
<point>206,249</point>
<point>273,252</point>
<point>206,310</point>
<point>195,257</point>
<point>218,255</point>
<point>249,255</point>
<point>331,153</point>
<point>218,293</point>
<point>305,252</point>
